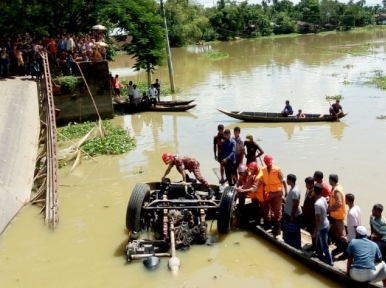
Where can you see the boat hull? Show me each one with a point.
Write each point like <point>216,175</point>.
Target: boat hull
<point>278,117</point>
<point>174,103</point>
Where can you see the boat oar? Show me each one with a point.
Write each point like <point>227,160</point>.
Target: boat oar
<point>174,263</point>
<point>336,115</point>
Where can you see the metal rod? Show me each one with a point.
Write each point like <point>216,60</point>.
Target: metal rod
<point>170,64</point>
<point>141,256</point>
<point>182,207</point>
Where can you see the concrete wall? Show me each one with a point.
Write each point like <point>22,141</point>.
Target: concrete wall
<point>77,105</point>
<point>19,132</point>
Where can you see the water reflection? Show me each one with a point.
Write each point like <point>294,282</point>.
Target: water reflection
<point>336,128</point>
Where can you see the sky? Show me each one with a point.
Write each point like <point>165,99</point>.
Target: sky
<point>209,3</point>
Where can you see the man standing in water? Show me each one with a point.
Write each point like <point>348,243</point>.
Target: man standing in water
<point>183,163</point>
<point>321,226</point>
<point>217,149</point>
<point>273,182</point>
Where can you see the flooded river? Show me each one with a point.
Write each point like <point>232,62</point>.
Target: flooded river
<point>87,249</point>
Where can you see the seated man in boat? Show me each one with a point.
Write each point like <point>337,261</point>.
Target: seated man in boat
<point>322,226</point>
<point>364,262</point>
<point>145,101</point>
<point>287,109</point>
<point>378,228</point>
<point>183,163</point>
<point>308,215</point>
<point>336,108</point>
<point>251,148</point>
<point>292,214</point>
<point>300,114</point>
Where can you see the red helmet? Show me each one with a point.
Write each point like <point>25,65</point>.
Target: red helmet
<point>268,159</point>
<point>253,167</point>
<point>242,168</point>
<point>167,158</point>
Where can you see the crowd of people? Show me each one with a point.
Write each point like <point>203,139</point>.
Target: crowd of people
<point>148,98</point>
<point>19,54</point>
<point>278,208</point>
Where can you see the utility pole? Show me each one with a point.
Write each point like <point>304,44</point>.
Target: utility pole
<point>170,64</point>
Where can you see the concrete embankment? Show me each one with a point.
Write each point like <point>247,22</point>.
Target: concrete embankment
<point>19,132</point>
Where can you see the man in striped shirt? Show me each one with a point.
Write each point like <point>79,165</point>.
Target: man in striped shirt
<point>378,228</point>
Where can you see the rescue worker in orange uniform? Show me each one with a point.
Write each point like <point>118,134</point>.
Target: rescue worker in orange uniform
<point>337,210</point>
<point>273,182</point>
<point>183,163</point>
<point>247,187</point>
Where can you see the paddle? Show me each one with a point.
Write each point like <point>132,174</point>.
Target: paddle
<point>336,115</point>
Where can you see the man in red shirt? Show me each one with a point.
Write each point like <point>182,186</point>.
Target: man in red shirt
<point>318,177</point>
<point>217,149</point>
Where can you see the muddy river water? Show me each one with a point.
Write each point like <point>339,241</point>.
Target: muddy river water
<point>87,249</point>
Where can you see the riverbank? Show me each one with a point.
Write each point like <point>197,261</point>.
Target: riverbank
<point>19,131</point>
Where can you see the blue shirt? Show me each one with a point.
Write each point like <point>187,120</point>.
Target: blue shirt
<point>364,252</point>
<point>229,150</point>
<point>288,109</point>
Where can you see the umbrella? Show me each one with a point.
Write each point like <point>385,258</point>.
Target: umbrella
<point>102,44</point>
<point>99,27</point>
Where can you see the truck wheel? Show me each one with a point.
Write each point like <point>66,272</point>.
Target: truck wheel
<point>225,210</point>
<point>139,196</point>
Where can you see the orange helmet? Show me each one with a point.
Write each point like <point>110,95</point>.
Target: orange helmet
<point>253,167</point>
<point>242,168</point>
<point>268,159</point>
<point>167,158</point>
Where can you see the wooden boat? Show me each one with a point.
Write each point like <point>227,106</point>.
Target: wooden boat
<point>174,103</point>
<point>278,117</point>
<point>126,107</point>
<point>336,272</point>
<point>170,108</point>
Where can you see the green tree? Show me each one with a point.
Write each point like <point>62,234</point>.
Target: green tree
<point>227,20</point>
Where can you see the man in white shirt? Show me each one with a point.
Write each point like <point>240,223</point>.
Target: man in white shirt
<point>136,95</point>
<point>70,44</point>
<point>353,221</point>
<point>152,92</point>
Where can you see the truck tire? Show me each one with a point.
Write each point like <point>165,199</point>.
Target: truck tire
<point>140,195</point>
<point>225,210</point>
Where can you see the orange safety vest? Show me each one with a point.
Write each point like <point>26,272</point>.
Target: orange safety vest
<point>259,194</point>
<point>272,182</point>
<point>339,214</point>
